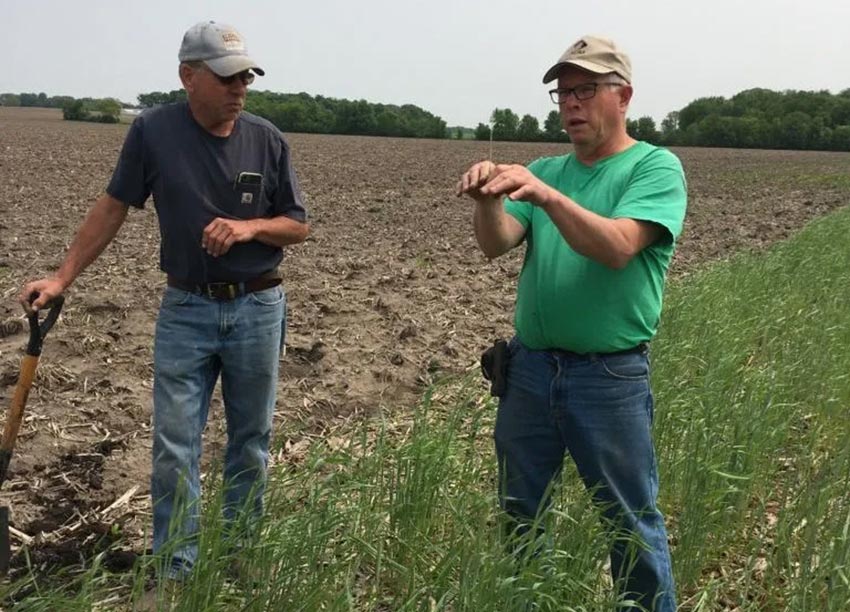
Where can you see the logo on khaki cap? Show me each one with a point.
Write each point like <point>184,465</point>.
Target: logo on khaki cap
<point>594,54</point>
<point>578,48</point>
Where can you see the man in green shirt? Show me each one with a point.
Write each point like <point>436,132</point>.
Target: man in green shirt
<point>599,225</point>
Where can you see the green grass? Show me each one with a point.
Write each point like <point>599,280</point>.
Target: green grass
<point>751,372</point>
<point>837,180</point>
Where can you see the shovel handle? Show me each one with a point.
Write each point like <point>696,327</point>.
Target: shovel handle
<point>16,413</point>
<point>38,331</point>
<point>19,400</point>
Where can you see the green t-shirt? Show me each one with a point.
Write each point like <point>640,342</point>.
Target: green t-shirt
<point>568,301</point>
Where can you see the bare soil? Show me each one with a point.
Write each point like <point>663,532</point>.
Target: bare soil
<point>389,292</point>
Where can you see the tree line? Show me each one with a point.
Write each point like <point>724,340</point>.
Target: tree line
<point>754,118</point>
<point>302,112</point>
<point>289,112</point>
<point>320,115</point>
<point>763,119</point>
<point>41,100</point>
<point>101,110</point>
<point>507,125</point>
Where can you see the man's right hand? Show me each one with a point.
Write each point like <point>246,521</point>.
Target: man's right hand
<point>46,289</point>
<point>474,179</point>
<point>496,231</point>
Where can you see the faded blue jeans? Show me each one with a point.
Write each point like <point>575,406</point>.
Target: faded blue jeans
<point>197,339</point>
<point>599,409</point>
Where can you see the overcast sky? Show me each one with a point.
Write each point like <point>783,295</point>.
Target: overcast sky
<point>458,59</point>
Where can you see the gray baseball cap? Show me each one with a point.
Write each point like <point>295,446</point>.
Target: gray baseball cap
<point>594,54</point>
<point>219,46</point>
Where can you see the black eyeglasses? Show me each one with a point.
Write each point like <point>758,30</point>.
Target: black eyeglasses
<point>582,92</point>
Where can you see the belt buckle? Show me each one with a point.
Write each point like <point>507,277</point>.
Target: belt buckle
<point>221,291</point>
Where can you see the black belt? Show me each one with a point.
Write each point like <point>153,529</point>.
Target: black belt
<point>643,347</point>
<point>223,291</point>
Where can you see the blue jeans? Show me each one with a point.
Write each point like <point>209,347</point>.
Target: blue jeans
<point>599,408</point>
<point>198,339</point>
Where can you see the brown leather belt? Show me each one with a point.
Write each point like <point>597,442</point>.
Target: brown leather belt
<point>224,291</point>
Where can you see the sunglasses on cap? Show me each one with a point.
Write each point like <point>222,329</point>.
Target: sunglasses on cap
<point>246,76</point>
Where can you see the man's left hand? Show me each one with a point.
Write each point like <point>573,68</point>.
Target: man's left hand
<point>221,234</point>
<point>517,183</point>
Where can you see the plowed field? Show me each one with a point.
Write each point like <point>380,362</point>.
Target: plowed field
<point>389,292</point>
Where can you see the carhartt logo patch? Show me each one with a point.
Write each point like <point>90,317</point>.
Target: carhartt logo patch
<point>247,198</point>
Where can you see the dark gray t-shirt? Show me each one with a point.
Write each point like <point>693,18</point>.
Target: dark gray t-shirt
<point>192,175</point>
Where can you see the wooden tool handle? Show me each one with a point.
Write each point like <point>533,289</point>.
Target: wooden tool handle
<point>19,400</point>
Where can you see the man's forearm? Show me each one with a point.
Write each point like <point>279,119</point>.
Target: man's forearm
<point>611,242</point>
<point>280,231</point>
<point>494,230</point>
<point>97,230</point>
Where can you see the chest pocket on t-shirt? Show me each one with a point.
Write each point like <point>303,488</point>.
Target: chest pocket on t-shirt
<point>248,195</point>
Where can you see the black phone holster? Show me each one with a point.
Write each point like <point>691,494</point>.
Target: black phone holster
<point>494,366</point>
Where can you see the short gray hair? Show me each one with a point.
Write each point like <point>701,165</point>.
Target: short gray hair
<point>613,78</point>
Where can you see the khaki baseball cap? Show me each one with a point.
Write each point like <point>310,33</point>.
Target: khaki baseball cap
<point>219,46</point>
<point>594,54</point>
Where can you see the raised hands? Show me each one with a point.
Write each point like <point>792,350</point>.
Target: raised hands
<point>474,179</point>
<point>487,182</point>
<point>517,183</point>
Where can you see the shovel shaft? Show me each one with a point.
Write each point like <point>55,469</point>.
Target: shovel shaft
<point>19,400</point>
<point>16,412</point>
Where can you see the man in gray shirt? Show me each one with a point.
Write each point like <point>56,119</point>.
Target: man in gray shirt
<point>227,201</point>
